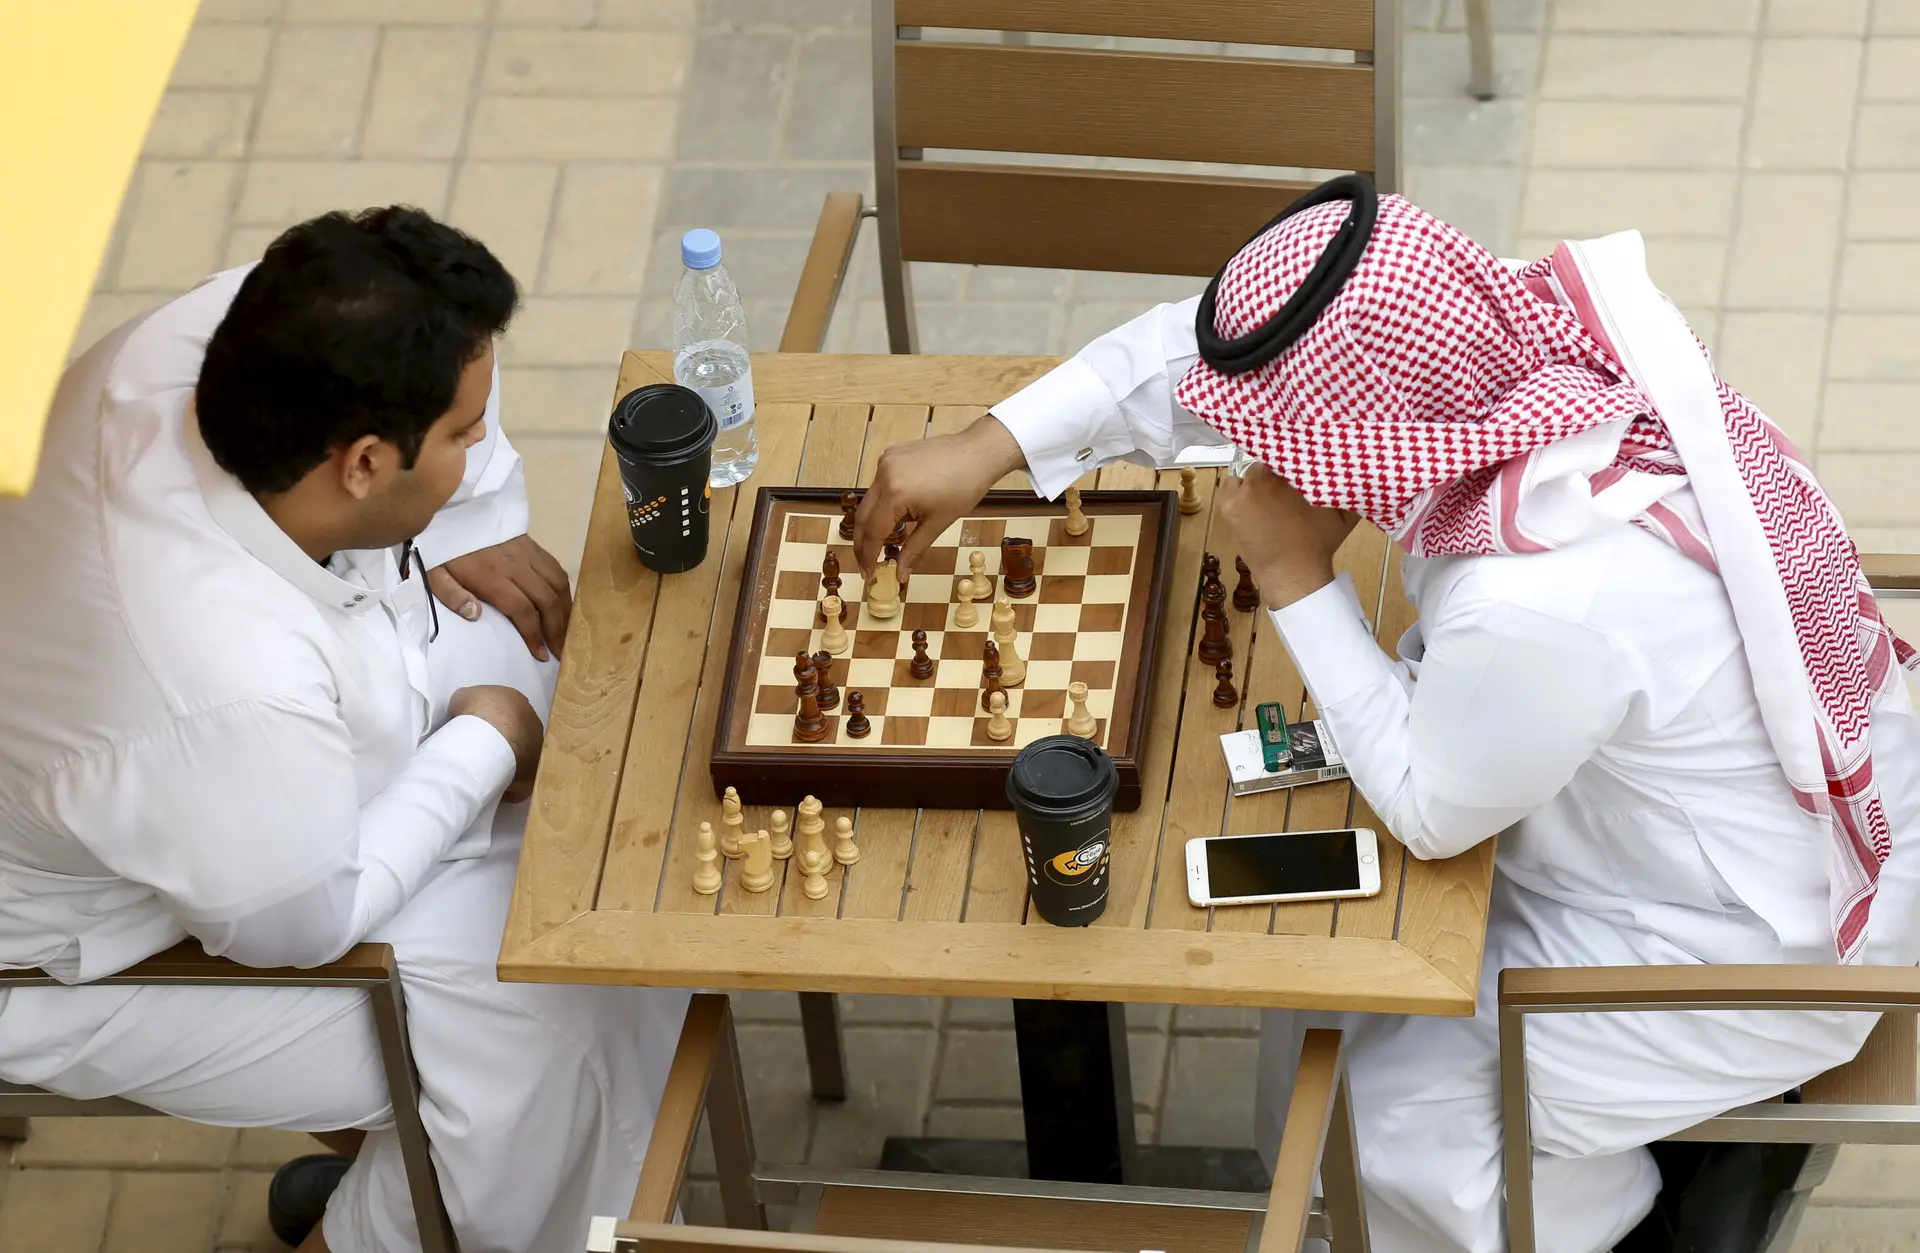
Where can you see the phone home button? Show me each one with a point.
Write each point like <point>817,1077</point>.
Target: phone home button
<point>1366,859</point>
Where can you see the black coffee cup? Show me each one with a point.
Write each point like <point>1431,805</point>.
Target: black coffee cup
<point>663,437</point>
<point>1062,792</point>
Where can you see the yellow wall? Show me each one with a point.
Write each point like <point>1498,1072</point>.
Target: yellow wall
<point>79,81</point>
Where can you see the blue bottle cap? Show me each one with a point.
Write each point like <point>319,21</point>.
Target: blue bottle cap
<point>700,249</point>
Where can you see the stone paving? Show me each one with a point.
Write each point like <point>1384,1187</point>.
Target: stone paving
<point>1769,149</point>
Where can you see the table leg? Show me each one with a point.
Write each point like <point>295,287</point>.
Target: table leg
<point>1075,1089</point>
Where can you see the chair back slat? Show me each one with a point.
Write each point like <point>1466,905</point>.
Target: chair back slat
<point>1146,105</point>
<point>1881,1074</point>
<point>1294,23</point>
<point>1081,219</point>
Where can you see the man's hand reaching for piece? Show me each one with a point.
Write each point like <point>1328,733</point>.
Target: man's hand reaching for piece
<point>521,580</point>
<point>509,712</point>
<point>930,483</point>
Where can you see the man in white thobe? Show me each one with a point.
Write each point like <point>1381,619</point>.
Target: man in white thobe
<point>1606,668</point>
<point>231,710</point>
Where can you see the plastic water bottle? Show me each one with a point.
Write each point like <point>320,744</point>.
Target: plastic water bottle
<point>710,353</point>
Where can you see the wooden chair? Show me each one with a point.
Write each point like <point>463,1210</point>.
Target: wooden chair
<point>1021,98</point>
<point>1870,1100</point>
<point>369,967</point>
<point>894,1212</point>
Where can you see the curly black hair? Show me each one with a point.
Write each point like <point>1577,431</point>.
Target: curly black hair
<point>352,324</point>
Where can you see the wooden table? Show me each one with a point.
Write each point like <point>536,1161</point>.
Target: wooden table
<point>937,904</point>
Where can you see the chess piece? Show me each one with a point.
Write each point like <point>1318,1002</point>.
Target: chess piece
<point>1013,669</point>
<point>1214,647</point>
<point>1077,523</point>
<point>849,505</point>
<point>857,724</point>
<point>845,851</point>
<point>812,830</point>
<point>782,835</point>
<point>1224,697</point>
<point>1079,721</point>
<point>830,573</point>
<point>977,567</point>
<point>824,691</point>
<point>833,637</point>
<point>1016,567</point>
<point>921,667</point>
<point>706,878</point>
<point>731,823</point>
<point>965,616</point>
<point>1246,597</point>
<point>1189,492</point>
<point>1209,567</point>
<point>756,866</point>
<point>809,724</point>
<point>1213,599</point>
<point>998,725</point>
<point>813,863</point>
<point>989,671</point>
<point>898,535</point>
<point>883,593</point>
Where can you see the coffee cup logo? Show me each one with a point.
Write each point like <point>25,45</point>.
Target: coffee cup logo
<point>1071,868</point>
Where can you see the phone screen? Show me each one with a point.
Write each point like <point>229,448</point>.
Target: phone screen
<point>1283,865</point>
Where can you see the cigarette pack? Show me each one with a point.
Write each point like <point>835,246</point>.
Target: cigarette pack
<point>1315,759</point>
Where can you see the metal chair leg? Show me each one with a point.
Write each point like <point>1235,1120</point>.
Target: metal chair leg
<point>732,1133</point>
<point>1479,50</point>
<point>403,1090</point>
<point>1518,1130</point>
<point>826,1058</point>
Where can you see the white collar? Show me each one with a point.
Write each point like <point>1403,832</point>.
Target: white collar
<point>241,516</point>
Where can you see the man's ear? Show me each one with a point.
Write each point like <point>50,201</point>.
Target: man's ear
<point>360,465</point>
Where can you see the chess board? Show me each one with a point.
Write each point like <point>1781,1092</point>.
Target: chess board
<point>1093,617</point>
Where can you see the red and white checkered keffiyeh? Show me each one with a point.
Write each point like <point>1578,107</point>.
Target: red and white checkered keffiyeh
<point>1468,409</point>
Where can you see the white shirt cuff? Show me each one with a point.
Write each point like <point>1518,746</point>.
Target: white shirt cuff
<point>1067,423</point>
<point>1331,643</point>
<point>479,748</point>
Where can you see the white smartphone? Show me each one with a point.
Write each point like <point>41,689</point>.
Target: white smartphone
<point>1295,866</point>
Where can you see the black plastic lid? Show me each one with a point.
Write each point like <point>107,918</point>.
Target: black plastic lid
<point>1062,772</point>
<point>662,422</point>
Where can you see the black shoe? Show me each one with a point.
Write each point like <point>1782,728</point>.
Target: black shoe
<point>1716,1198</point>
<point>298,1194</point>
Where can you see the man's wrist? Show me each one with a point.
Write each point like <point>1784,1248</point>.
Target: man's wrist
<point>1282,587</point>
<point>996,446</point>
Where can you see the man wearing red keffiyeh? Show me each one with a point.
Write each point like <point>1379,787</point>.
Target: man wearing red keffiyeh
<point>1645,656</point>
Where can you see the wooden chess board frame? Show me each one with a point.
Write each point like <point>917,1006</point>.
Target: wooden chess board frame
<point>868,772</point>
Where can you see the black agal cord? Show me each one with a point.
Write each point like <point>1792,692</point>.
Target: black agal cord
<point>1267,341</point>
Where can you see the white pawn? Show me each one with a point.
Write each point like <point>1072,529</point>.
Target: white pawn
<point>982,588</point>
<point>998,727</point>
<point>1077,523</point>
<point>1013,670</point>
<point>1079,721</point>
<point>814,863</point>
<point>964,614</point>
<point>732,823</point>
<point>845,851</point>
<point>833,636</point>
<point>782,840</point>
<point>706,879</point>
<point>1189,494</point>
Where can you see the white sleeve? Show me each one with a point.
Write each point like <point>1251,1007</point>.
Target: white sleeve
<point>1112,400</point>
<point>246,821</point>
<point>490,505</point>
<point>1509,703</point>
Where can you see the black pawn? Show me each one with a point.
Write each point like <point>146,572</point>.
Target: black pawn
<point>1246,597</point>
<point>1215,647</point>
<point>989,674</point>
<point>849,505</point>
<point>857,724</point>
<point>898,535</point>
<point>921,667</point>
<point>1224,697</point>
<point>828,695</point>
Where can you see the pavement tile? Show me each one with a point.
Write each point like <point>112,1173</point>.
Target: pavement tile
<point>572,128</point>
<point>978,1011</point>
<point>507,205</point>
<point>1872,1174</point>
<point>765,197</point>
<point>742,81</point>
<point>1817,17</point>
<point>830,116</point>
<point>561,471</point>
<point>196,123</point>
<point>1896,17</point>
<point>1875,346</point>
<point>181,210</point>
<point>1216,1020</point>
<point>163,1212</point>
<point>318,91</point>
<point>1872,489</point>
<point>546,12</point>
<point>237,11</point>
<point>977,1122</point>
<point>1880,275</point>
<point>55,1211</point>
<point>1650,66</point>
<point>1802,111</point>
<point>1590,133</point>
<point>1776,360</point>
<point>270,1147</point>
<point>888,1082</point>
<point>1434,63</point>
<point>979,1066</point>
<point>1784,244</point>
<point>284,192</point>
<point>419,104</point>
<point>1575,204</point>
<point>1465,131</point>
<point>397,12</point>
<point>248,243</point>
<point>904,1011</point>
<point>1892,70</point>
<point>1210,1092</point>
<point>131,1142</point>
<point>1881,206</point>
<point>1147,1068</point>
<point>243,1222</point>
<point>649,14</point>
<point>1660,17</point>
<point>222,56</point>
<point>586,63</point>
<point>1868,417</point>
<point>774,1061</point>
<point>569,330</point>
<point>1842,1229</point>
<point>602,222</point>
<point>1889,137</point>
<point>556,400</point>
